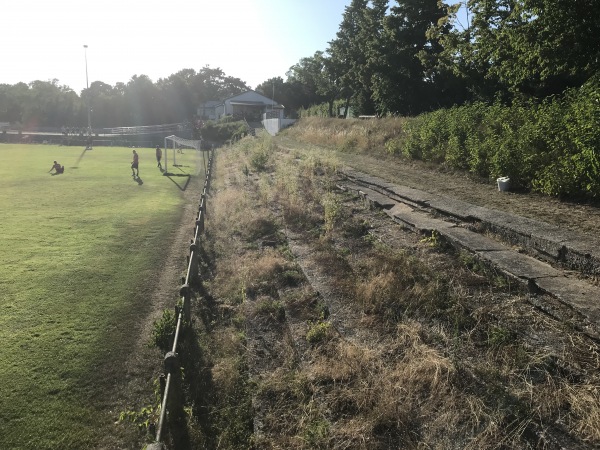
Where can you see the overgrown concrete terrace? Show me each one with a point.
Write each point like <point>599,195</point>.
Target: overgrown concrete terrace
<point>537,254</point>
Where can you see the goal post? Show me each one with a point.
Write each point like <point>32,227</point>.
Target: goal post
<point>176,144</point>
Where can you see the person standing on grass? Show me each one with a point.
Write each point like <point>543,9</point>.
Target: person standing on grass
<point>158,156</point>
<point>134,165</point>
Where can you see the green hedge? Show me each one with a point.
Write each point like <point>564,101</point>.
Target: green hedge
<point>321,110</point>
<point>552,147</point>
<point>224,130</point>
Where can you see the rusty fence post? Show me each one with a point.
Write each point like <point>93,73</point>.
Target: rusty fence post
<point>194,263</point>
<point>201,214</point>
<point>162,381</point>
<point>175,399</point>
<point>185,293</point>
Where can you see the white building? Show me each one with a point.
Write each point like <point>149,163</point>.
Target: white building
<point>249,105</point>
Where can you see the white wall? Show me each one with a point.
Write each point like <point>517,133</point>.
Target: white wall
<point>274,126</point>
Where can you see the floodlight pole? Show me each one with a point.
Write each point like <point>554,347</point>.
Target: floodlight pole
<point>89,144</point>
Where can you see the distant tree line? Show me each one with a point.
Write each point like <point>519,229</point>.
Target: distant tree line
<point>137,102</point>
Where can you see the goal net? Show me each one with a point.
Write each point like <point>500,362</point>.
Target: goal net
<point>177,145</point>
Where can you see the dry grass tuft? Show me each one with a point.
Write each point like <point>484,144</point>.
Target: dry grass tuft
<point>396,283</point>
<point>265,267</point>
<point>343,361</point>
<point>585,409</point>
<point>348,134</point>
<point>422,369</point>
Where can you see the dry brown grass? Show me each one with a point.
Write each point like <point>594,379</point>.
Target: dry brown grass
<point>394,283</point>
<point>585,408</point>
<point>437,355</point>
<point>368,391</point>
<point>348,134</point>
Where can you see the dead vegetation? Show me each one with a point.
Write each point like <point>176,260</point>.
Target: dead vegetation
<point>326,326</point>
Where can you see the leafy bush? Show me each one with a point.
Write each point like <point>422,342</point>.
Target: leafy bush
<point>332,211</point>
<point>164,330</point>
<point>271,309</point>
<point>226,129</point>
<point>259,160</point>
<point>550,147</point>
<point>319,332</point>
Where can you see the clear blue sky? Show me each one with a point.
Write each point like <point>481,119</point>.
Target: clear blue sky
<point>250,39</point>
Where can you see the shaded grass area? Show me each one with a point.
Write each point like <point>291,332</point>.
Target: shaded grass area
<point>77,262</point>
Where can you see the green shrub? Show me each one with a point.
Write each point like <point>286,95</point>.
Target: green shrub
<point>332,211</point>
<point>319,332</point>
<point>551,147</point>
<point>259,160</point>
<point>499,337</point>
<point>226,129</point>
<point>394,146</point>
<point>164,330</point>
<point>271,309</point>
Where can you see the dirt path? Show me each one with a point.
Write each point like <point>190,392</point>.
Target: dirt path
<point>143,364</point>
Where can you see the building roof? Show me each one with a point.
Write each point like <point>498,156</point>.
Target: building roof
<point>246,92</point>
<point>266,101</point>
<point>211,103</point>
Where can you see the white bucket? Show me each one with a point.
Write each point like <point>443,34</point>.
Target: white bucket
<point>503,184</point>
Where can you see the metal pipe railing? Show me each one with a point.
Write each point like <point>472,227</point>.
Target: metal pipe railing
<point>183,313</point>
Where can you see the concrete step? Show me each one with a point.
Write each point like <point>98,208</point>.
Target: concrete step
<point>406,206</point>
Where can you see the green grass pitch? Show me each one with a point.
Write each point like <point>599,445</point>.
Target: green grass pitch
<point>77,251</point>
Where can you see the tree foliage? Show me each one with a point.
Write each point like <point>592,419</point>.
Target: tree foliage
<point>405,57</point>
<point>536,47</point>
<point>389,57</point>
<point>140,101</point>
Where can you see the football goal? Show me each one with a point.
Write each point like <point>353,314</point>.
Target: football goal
<point>177,145</point>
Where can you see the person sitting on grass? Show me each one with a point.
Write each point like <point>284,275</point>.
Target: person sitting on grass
<point>58,168</point>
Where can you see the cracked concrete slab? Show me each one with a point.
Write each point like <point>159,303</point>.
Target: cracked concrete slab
<point>420,222</point>
<point>581,295</point>
<point>520,266</point>
<point>381,200</point>
<point>456,208</point>
<point>546,239</point>
<point>472,241</point>
<point>571,248</point>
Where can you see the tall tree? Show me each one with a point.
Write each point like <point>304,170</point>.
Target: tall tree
<point>105,103</point>
<point>403,84</point>
<point>179,103</point>
<point>143,101</point>
<point>213,84</point>
<point>283,92</point>
<point>354,52</point>
<point>541,47</point>
<point>463,76</point>
<point>320,77</point>
<point>49,104</point>
<point>13,100</point>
